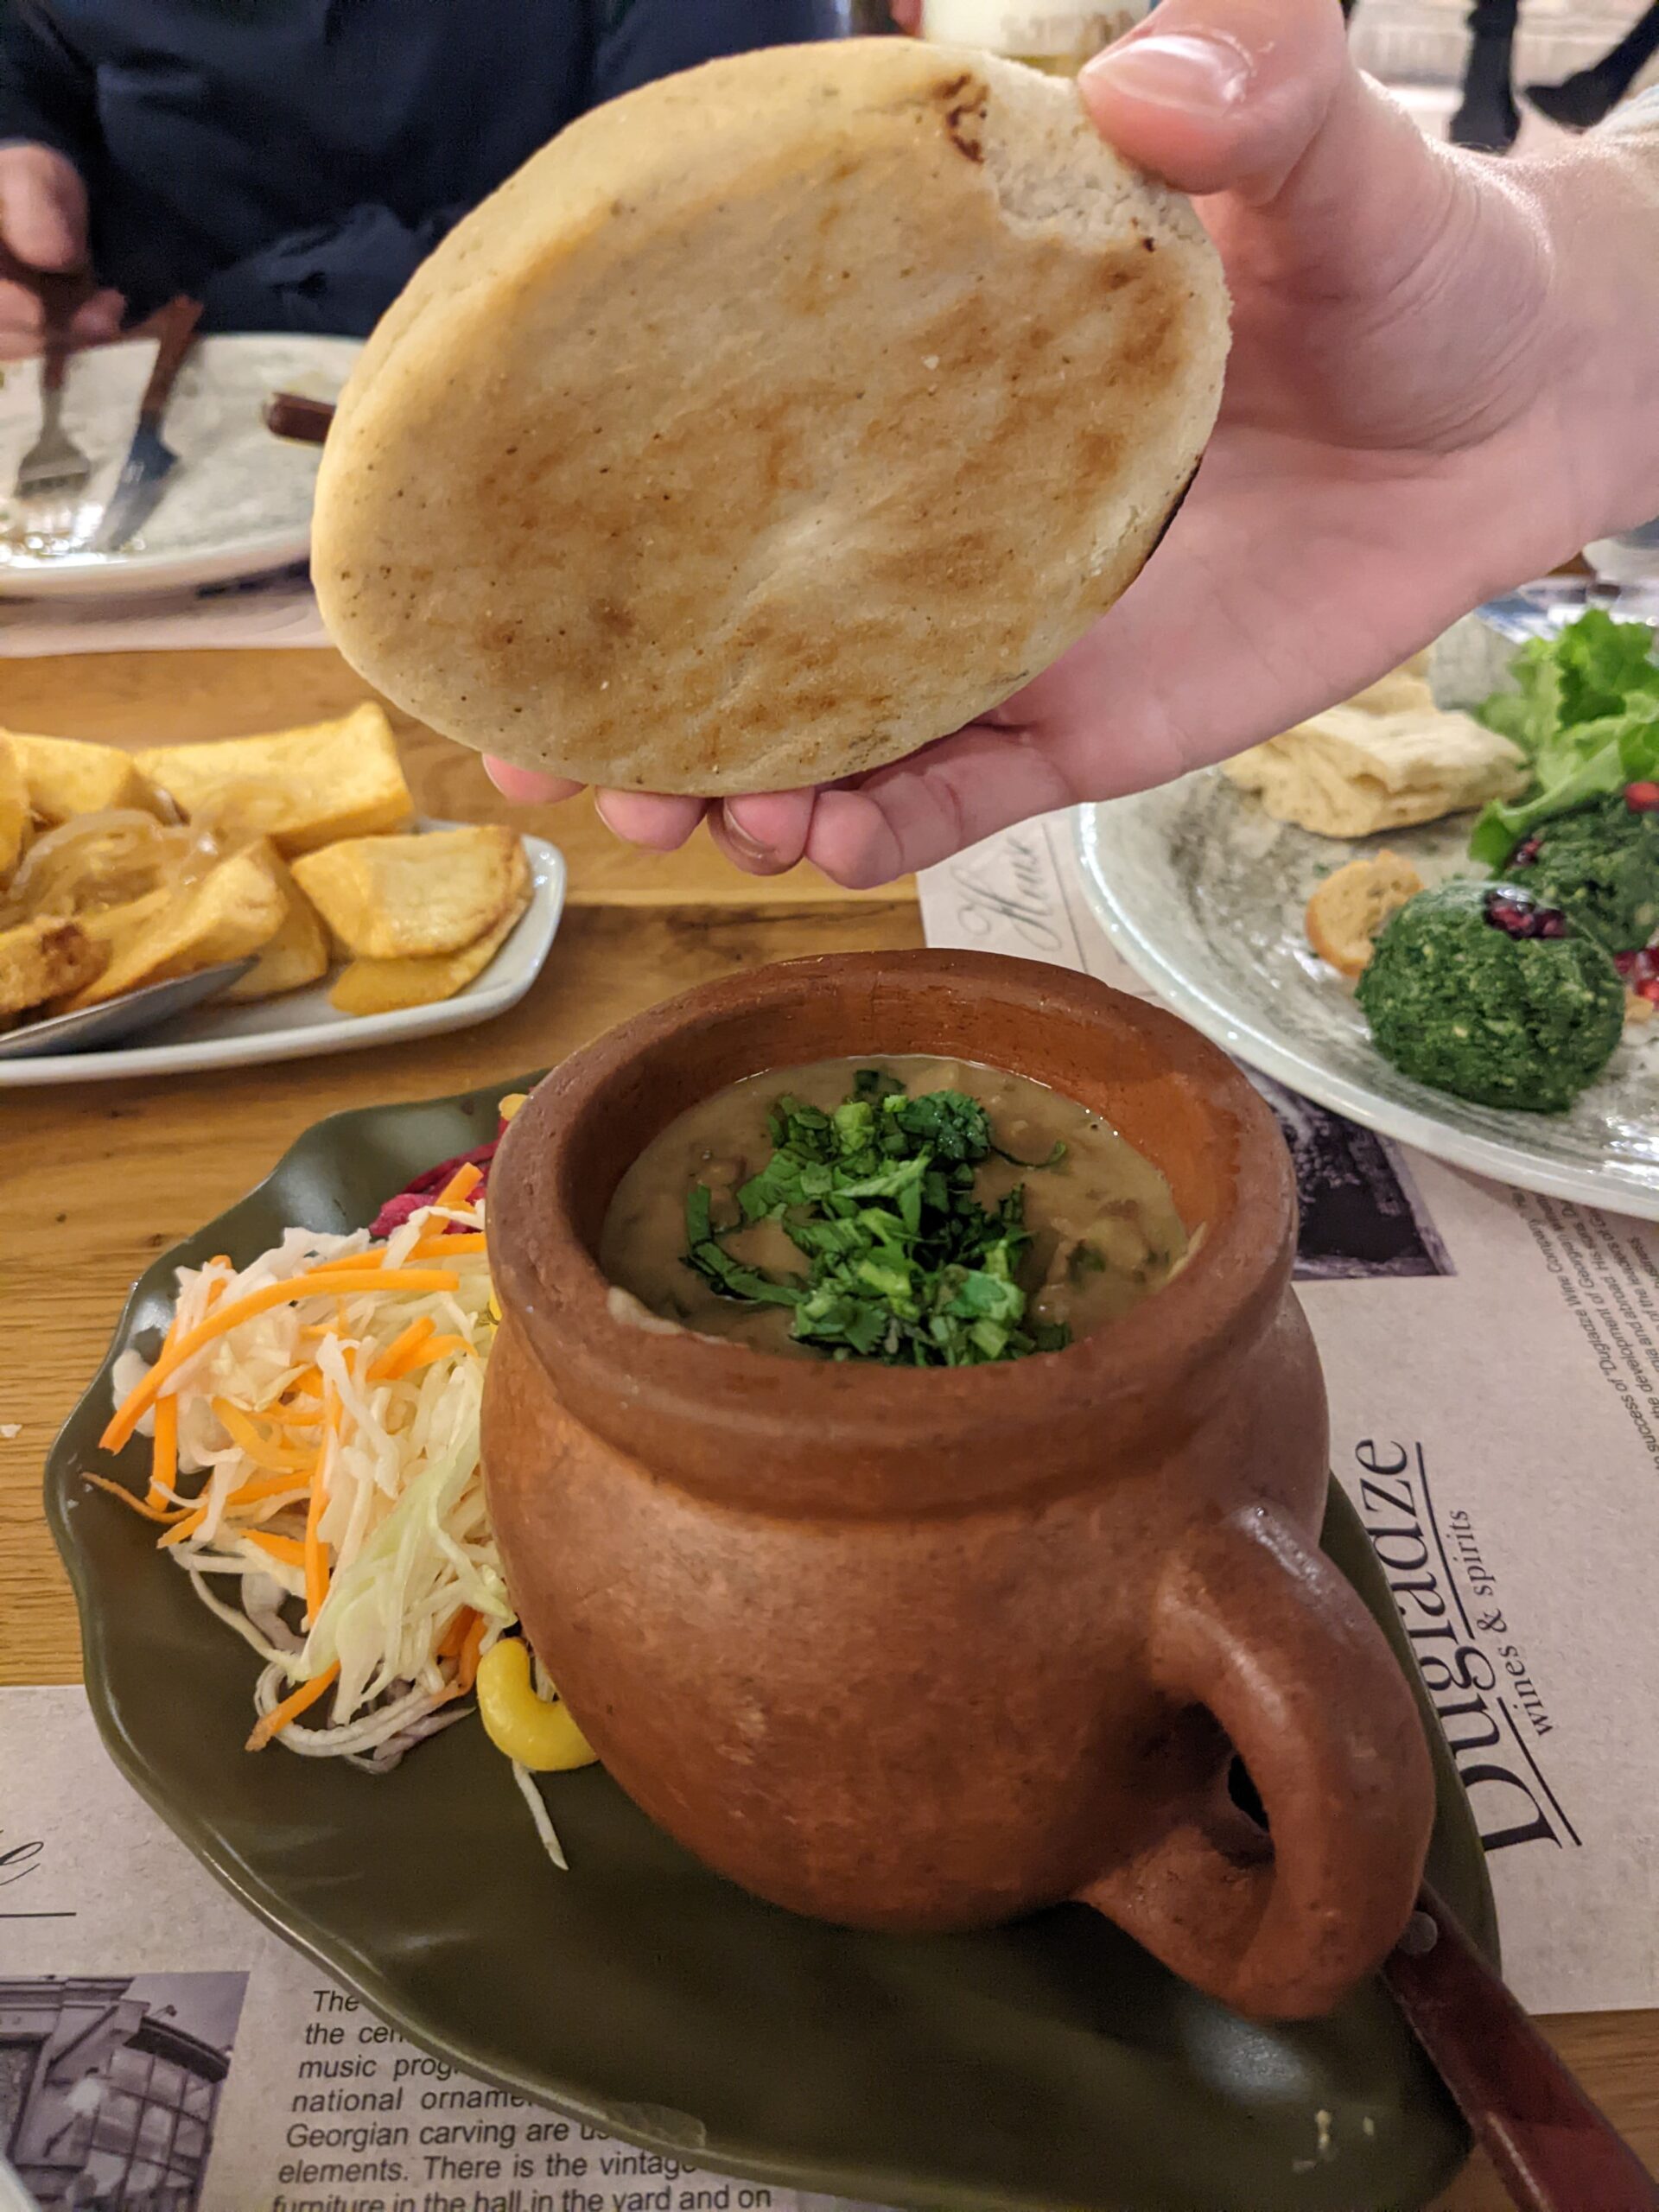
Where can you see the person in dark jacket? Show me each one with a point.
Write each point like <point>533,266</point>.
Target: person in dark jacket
<point>289,162</point>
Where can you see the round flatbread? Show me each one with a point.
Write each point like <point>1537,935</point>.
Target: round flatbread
<point>772,422</point>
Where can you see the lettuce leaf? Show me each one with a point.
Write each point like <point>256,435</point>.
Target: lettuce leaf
<point>1620,749</point>
<point>1595,668</point>
<point>1586,713</point>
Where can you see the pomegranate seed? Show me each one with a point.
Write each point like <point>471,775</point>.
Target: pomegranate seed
<point>1642,799</point>
<point>1522,918</point>
<point>1527,851</point>
<point>1640,967</point>
<point>1625,964</point>
<point>1649,989</point>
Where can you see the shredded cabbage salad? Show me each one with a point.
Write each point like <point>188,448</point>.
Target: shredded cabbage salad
<point>313,1420</point>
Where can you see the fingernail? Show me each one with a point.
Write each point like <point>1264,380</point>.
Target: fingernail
<point>1175,70</point>
<point>749,848</point>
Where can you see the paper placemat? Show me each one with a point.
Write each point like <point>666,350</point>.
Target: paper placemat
<point>1492,1359</point>
<point>115,1947</point>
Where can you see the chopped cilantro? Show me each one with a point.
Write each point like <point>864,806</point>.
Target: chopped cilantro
<point>1085,1260</point>
<point>904,1264</point>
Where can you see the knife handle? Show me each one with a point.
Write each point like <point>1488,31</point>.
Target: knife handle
<point>176,326</point>
<point>1553,2148</point>
<point>63,293</point>
<point>305,421</point>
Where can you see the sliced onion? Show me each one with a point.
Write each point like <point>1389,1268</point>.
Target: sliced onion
<point>49,878</point>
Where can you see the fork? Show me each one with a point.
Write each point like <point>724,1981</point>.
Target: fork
<point>54,469</point>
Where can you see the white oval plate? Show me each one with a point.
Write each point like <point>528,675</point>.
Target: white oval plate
<point>303,1023</point>
<point>1202,895</point>
<point>238,503</point>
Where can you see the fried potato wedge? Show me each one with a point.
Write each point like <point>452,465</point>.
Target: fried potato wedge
<point>14,805</point>
<point>297,955</point>
<point>235,910</point>
<point>388,986</point>
<point>43,958</point>
<point>415,897</point>
<point>66,776</point>
<point>302,788</point>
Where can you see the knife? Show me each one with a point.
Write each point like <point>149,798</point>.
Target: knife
<point>149,461</point>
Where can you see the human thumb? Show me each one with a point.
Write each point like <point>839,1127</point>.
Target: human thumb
<point>42,208</point>
<point>1223,95</point>
<point>1260,99</point>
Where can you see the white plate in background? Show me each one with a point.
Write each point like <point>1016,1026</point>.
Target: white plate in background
<point>1203,896</point>
<point>238,503</point>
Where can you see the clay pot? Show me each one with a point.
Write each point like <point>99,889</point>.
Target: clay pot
<point>928,1649</point>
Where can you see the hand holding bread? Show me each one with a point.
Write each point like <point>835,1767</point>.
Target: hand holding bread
<point>1358,493</point>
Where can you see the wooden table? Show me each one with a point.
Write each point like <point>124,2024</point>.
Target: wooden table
<point>95,1182</point>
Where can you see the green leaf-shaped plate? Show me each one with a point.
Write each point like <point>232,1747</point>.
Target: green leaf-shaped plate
<point>1048,2065</point>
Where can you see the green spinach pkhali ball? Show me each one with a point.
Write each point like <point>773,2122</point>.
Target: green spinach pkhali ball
<point>1479,989</point>
<point>1599,865</point>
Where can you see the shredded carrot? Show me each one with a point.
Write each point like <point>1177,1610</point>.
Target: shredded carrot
<point>315,1563</point>
<point>262,1486</point>
<point>139,1401</point>
<point>254,1492</point>
<point>349,1262</point>
<point>294,1417</point>
<point>164,1452</point>
<point>468,1240</point>
<point>467,1665</point>
<point>241,1430</point>
<point>461,1186</point>
<point>387,1367</point>
<point>187,1527</point>
<point>315,1559</point>
<point>296,1702</point>
<point>288,1549</point>
<point>438,1348</point>
<point>456,1633</point>
<point>164,1448</point>
<point>423,1355</point>
<point>139,1504</point>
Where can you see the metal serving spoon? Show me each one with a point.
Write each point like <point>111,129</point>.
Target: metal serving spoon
<point>118,1018</point>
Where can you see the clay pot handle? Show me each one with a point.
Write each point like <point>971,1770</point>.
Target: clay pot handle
<point>1260,1628</point>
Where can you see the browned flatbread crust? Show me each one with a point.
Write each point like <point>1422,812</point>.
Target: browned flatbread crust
<point>775,420</point>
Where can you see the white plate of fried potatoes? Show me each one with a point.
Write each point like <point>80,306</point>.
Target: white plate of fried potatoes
<point>298,851</point>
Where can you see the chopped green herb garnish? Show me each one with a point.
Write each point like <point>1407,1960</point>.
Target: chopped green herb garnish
<point>905,1265</point>
<point>1085,1260</point>
<point>1014,1160</point>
